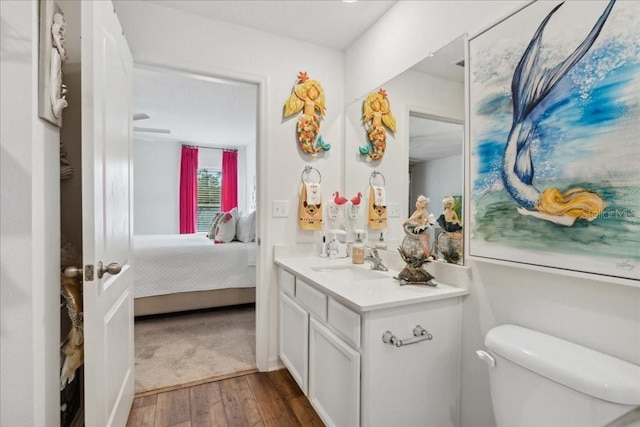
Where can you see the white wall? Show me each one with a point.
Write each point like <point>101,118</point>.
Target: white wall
<point>209,158</point>
<point>30,246</point>
<point>437,179</point>
<point>156,190</point>
<point>162,37</point>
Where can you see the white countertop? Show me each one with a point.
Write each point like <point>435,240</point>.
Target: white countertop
<point>365,295</point>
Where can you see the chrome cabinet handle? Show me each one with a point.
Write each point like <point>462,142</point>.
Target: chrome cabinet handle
<point>419,334</point>
<point>113,268</point>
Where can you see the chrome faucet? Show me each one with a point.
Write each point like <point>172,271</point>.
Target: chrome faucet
<point>376,262</point>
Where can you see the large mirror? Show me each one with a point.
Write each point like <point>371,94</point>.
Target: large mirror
<point>425,153</point>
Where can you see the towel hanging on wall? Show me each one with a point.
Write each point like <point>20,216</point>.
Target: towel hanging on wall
<point>377,202</point>
<point>310,205</point>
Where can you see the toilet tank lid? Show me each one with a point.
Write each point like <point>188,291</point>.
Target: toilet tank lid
<point>580,368</point>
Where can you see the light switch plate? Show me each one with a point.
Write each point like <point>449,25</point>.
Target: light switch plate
<point>280,209</point>
<point>394,210</point>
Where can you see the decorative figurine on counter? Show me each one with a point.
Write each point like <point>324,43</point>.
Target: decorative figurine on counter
<point>415,249</point>
<point>376,113</point>
<point>449,242</point>
<point>419,222</point>
<point>309,94</point>
<point>413,273</point>
<point>449,220</point>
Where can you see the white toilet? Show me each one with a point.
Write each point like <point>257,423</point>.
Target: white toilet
<point>542,381</point>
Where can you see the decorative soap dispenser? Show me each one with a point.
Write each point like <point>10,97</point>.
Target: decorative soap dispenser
<point>357,250</point>
<point>381,244</point>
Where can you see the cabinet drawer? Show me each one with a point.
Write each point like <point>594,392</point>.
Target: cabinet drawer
<point>313,300</point>
<point>345,321</point>
<point>287,283</point>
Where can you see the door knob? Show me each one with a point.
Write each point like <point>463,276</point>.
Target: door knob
<point>113,268</point>
<point>73,272</point>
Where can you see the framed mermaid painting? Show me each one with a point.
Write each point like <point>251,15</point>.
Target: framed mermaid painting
<point>553,152</point>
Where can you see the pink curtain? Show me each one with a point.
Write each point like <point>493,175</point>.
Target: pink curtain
<point>188,190</point>
<point>229,192</point>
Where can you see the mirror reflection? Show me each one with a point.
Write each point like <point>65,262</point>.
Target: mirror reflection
<point>424,156</point>
<point>436,171</point>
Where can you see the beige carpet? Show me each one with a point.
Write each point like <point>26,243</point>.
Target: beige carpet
<point>182,348</point>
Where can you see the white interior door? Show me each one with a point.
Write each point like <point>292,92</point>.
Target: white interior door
<point>107,78</point>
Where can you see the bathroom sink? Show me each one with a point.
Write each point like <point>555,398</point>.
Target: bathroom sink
<point>349,273</point>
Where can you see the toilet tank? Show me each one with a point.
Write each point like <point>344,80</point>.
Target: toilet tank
<point>540,380</point>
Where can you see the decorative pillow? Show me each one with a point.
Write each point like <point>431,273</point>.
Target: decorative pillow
<point>226,229</point>
<point>246,225</point>
<point>214,224</point>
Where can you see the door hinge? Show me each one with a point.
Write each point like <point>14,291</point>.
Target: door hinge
<point>88,272</point>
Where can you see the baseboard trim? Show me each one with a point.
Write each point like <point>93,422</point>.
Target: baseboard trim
<point>275,364</point>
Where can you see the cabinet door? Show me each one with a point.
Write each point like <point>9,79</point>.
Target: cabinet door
<point>421,381</point>
<point>334,377</point>
<point>294,340</point>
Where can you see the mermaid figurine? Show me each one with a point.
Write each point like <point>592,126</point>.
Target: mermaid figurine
<point>309,94</point>
<point>531,83</point>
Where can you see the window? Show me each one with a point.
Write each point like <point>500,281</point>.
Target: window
<point>209,186</point>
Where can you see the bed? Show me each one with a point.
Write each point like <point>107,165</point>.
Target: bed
<point>179,272</point>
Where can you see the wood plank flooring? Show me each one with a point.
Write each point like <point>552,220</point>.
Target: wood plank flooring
<point>259,399</point>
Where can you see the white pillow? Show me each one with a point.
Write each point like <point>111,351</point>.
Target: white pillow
<point>226,230</point>
<point>246,228</point>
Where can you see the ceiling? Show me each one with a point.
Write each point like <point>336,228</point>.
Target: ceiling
<point>214,112</point>
<point>194,109</point>
<point>329,23</point>
<point>431,139</point>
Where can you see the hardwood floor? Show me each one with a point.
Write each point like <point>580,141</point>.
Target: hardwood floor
<point>259,399</point>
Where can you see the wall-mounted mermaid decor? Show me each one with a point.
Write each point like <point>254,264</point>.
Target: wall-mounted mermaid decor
<point>376,114</point>
<point>308,94</point>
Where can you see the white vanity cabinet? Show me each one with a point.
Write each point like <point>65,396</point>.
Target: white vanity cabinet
<point>294,340</point>
<point>315,356</point>
<point>334,377</point>
<point>331,340</point>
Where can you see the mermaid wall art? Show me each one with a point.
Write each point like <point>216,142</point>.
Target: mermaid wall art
<point>554,126</point>
<point>307,96</point>
<point>377,118</point>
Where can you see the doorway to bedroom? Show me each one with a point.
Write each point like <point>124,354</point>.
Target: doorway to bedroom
<point>195,251</point>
